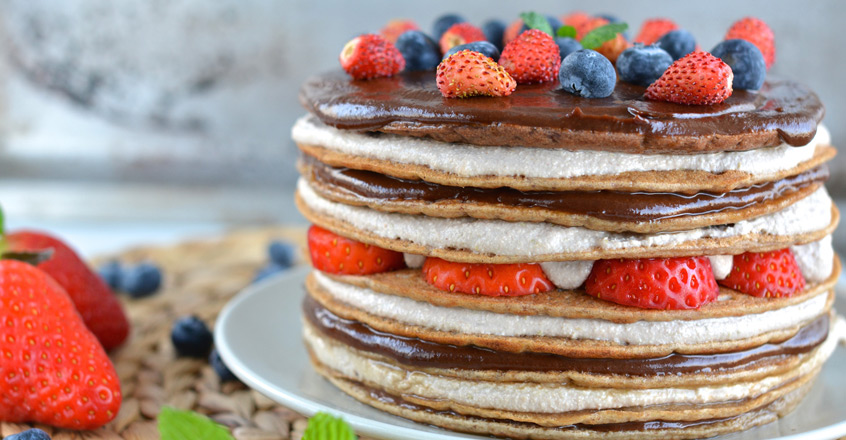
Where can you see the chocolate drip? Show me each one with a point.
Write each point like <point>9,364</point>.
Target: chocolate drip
<point>607,205</point>
<point>425,354</point>
<point>541,115</point>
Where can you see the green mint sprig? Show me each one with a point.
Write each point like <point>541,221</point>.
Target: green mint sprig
<point>323,426</point>
<point>600,35</point>
<point>567,31</point>
<point>533,20</point>
<point>188,425</point>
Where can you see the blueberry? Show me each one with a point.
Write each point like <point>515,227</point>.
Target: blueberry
<point>111,272</point>
<point>494,32</point>
<point>420,51</point>
<point>283,253</point>
<point>484,47</point>
<point>445,22</point>
<point>567,45</point>
<point>271,269</point>
<point>220,368</point>
<point>587,73</point>
<point>642,65</point>
<point>677,43</point>
<point>746,62</point>
<point>191,337</point>
<point>141,280</point>
<point>29,434</point>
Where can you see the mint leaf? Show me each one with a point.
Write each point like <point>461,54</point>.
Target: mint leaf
<point>567,31</point>
<point>188,425</point>
<point>323,426</point>
<point>596,37</point>
<point>537,21</point>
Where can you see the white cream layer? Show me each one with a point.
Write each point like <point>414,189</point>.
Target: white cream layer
<point>468,160</point>
<point>544,398</point>
<point>499,237</point>
<point>478,322</point>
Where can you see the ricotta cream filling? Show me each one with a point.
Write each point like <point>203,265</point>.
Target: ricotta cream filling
<point>468,160</point>
<point>544,398</point>
<point>500,237</point>
<point>461,320</point>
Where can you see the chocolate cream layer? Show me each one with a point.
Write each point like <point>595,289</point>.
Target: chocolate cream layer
<point>541,115</point>
<point>425,354</point>
<point>607,205</point>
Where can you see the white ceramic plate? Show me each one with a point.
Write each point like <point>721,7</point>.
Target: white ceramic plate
<point>258,336</point>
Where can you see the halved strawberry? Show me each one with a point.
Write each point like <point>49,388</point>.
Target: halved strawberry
<point>340,255</point>
<point>486,279</point>
<point>397,27</point>
<point>757,32</point>
<point>654,283</point>
<point>467,73</point>
<point>371,56</point>
<point>532,57</point>
<point>653,29</point>
<point>698,78</point>
<point>458,34</point>
<point>765,274</point>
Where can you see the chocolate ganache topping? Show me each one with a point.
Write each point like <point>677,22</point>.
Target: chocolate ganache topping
<point>541,115</point>
<point>421,353</point>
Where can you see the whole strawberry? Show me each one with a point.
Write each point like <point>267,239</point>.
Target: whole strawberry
<point>53,370</point>
<point>467,73</point>
<point>395,28</point>
<point>654,283</point>
<point>532,57</point>
<point>458,34</point>
<point>371,56</point>
<point>765,274</point>
<point>757,32</point>
<point>698,78</point>
<point>333,253</point>
<point>653,29</point>
<point>99,307</point>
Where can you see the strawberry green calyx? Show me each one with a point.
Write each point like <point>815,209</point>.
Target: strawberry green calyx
<point>600,35</point>
<point>533,20</point>
<point>323,426</point>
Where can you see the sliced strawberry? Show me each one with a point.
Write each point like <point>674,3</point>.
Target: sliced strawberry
<point>654,283</point>
<point>698,78</point>
<point>757,32</point>
<point>395,28</point>
<point>765,274</point>
<point>458,34</point>
<point>467,73</point>
<point>486,279</point>
<point>340,255</point>
<point>653,29</point>
<point>532,57</point>
<point>371,56</point>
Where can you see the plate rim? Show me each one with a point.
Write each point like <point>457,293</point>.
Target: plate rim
<point>363,425</point>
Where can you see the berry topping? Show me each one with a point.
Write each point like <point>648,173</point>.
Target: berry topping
<point>29,434</point>
<point>757,32</point>
<point>588,74</point>
<point>533,57</point>
<point>395,28</point>
<point>654,29</point>
<point>141,280</point>
<point>677,43</point>
<point>611,46</point>
<point>696,79</point>
<point>531,20</point>
<point>100,309</point>
<point>575,19</point>
<point>765,274</point>
<point>371,56</point>
<point>53,370</point>
<point>483,47</point>
<point>486,279</point>
<point>223,372</point>
<point>494,31</point>
<point>567,45</point>
<point>419,51</point>
<point>654,283</point>
<point>340,255</point>
<point>746,62</point>
<point>191,337</point>
<point>458,34</point>
<point>643,65</point>
<point>445,22</point>
<point>469,73</point>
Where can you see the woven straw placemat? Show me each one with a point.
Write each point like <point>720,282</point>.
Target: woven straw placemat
<point>199,278</point>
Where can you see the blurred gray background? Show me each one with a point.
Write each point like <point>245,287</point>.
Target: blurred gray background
<point>180,110</point>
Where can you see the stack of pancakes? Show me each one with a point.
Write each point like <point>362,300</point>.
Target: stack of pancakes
<point>546,177</point>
